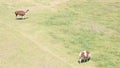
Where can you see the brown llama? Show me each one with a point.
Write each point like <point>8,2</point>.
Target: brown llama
<point>21,13</point>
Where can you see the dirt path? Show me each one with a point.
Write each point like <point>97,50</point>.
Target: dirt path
<point>40,46</point>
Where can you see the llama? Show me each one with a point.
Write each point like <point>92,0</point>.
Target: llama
<point>84,56</point>
<point>21,13</point>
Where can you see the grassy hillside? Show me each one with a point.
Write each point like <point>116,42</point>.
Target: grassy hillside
<point>57,30</point>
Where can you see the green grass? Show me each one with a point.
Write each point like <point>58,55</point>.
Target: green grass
<point>56,31</point>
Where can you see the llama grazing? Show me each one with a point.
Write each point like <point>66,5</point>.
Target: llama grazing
<point>21,13</point>
<point>84,56</point>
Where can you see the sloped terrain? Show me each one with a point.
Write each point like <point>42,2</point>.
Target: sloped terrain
<point>55,31</point>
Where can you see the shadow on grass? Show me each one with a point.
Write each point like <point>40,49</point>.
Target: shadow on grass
<point>21,18</point>
<point>84,61</point>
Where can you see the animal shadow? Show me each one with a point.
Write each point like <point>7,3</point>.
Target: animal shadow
<point>21,18</point>
<point>84,61</point>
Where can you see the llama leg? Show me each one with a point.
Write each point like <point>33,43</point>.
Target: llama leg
<point>84,59</point>
<point>22,17</point>
<point>88,58</point>
<point>16,16</point>
<point>79,61</point>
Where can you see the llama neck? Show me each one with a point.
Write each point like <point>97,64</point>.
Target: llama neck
<point>26,11</point>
